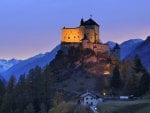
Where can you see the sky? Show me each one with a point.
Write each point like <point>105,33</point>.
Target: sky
<point>30,27</point>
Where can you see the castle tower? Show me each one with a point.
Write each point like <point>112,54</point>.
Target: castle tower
<point>91,29</point>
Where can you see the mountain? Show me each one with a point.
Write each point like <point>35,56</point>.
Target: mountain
<point>6,64</point>
<point>111,44</point>
<point>143,51</point>
<point>128,47</point>
<point>24,66</point>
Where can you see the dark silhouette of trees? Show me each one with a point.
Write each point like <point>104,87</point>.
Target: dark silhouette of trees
<point>116,82</point>
<point>144,84</point>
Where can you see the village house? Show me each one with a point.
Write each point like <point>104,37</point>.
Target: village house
<point>89,99</point>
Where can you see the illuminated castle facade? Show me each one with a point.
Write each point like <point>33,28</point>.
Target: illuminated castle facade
<point>89,28</point>
<point>87,35</point>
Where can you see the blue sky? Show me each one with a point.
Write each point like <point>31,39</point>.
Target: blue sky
<point>29,27</point>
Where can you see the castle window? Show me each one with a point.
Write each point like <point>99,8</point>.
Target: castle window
<point>78,37</point>
<point>74,36</point>
<point>68,37</point>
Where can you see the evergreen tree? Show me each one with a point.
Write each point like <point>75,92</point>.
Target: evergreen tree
<point>116,79</point>
<point>8,104</point>
<point>138,67</point>
<point>144,84</point>
<point>132,85</point>
<point>2,91</point>
<point>47,81</point>
<point>29,109</point>
<point>34,86</point>
<point>21,91</point>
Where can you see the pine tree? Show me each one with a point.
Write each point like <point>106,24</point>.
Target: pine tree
<point>144,84</point>
<point>138,67</point>
<point>8,104</point>
<point>21,91</point>
<point>34,87</point>
<point>2,91</point>
<point>116,79</point>
<point>132,85</point>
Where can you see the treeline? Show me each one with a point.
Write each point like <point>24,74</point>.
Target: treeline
<point>30,94</point>
<point>35,91</point>
<point>127,78</point>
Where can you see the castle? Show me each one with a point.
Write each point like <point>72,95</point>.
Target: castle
<point>86,34</point>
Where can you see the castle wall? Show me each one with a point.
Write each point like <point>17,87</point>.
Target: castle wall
<point>102,48</point>
<point>73,35</point>
<point>76,35</point>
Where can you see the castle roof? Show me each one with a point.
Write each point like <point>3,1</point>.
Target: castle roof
<point>89,22</point>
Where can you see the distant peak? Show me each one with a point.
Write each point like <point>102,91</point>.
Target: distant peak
<point>148,39</point>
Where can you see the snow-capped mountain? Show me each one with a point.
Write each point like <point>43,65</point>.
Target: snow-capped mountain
<point>24,66</point>
<point>6,64</point>
<point>128,47</point>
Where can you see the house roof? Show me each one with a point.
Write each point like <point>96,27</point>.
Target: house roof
<point>89,93</point>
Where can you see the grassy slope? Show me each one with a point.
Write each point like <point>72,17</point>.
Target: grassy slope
<point>137,106</point>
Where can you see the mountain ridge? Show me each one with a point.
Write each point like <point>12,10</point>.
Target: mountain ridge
<point>128,50</point>
<point>38,60</point>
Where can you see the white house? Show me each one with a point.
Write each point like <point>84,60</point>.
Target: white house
<point>89,98</point>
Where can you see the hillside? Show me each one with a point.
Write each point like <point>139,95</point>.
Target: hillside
<point>78,71</point>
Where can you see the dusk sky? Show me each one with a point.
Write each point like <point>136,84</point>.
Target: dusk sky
<point>30,27</point>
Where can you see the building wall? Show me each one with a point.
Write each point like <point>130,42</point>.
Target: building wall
<point>102,48</point>
<point>75,35</point>
<point>89,100</point>
<point>92,33</point>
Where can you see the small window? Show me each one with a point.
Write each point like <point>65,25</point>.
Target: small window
<point>86,98</point>
<point>74,36</point>
<point>87,103</point>
<point>68,37</point>
<point>91,98</point>
<point>78,37</point>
